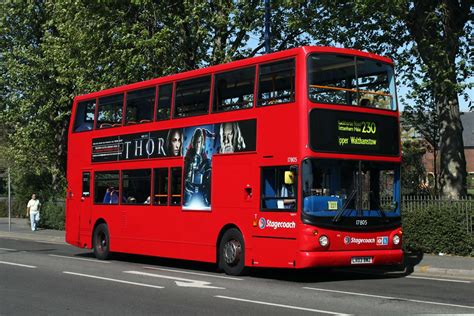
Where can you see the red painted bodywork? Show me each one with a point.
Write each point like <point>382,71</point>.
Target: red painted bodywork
<point>282,132</point>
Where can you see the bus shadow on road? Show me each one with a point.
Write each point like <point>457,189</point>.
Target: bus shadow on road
<point>157,261</point>
<point>310,275</point>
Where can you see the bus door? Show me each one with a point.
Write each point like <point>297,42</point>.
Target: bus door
<point>274,226</point>
<point>85,205</point>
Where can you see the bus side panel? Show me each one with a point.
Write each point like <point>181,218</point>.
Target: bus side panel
<point>274,252</point>
<point>72,221</point>
<point>236,196</point>
<point>73,196</point>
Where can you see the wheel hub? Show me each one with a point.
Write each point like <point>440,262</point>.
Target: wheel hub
<point>232,252</point>
<point>102,241</point>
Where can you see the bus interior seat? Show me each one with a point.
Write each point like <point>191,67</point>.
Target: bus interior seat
<point>105,125</point>
<point>270,191</point>
<point>365,102</point>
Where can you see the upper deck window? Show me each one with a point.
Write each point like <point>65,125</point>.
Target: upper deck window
<point>140,106</point>
<point>84,120</point>
<point>110,111</point>
<point>233,90</point>
<point>192,97</point>
<point>351,80</point>
<point>163,111</point>
<point>276,83</point>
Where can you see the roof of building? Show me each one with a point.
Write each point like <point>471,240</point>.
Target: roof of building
<point>467,120</point>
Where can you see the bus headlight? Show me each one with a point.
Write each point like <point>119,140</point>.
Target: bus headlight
<point>396,240</point>
<point>323,241</point>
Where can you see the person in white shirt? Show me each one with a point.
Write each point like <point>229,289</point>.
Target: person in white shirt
<point>32,210</point>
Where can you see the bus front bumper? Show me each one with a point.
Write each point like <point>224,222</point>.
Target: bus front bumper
<point>310,259</point>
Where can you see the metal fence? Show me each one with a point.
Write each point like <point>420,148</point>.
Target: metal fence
<point>464,206</point>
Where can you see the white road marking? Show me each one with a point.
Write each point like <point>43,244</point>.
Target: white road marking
<point>280,305</point>
<point>179,281</point>
<point>8,249</point>
<point>389,297</point>
<point>18,264</point>
<point>437,279</point>
<point>83,259</point>
<point>114,280</point>
<point>195,273</point>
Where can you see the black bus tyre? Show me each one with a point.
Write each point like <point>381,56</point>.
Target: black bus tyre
<point>101,242</point>
<point>232,252</point>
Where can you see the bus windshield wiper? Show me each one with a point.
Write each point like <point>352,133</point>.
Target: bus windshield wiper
<point>346,204</point>
<point>382,213</point>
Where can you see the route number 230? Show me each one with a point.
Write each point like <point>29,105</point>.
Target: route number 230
<point>369,127</point>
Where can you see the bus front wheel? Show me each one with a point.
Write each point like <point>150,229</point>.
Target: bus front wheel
<point>101,242</point>
<point>232,252</point>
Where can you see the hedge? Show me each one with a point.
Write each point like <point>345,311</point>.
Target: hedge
<point>52,216</point>
<point>18,208</point>
<point>437,230</point>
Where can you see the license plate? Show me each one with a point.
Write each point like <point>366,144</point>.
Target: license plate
<point>361,260</point>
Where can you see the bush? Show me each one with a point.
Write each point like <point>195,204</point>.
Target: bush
<point>433,230</point>
<point>52,215</point>
<point>18,208</point>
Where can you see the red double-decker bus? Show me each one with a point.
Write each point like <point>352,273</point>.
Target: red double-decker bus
<point>288,160</point>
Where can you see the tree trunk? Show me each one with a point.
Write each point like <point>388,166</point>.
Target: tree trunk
<point>453,161</point>
<point>435,169</point>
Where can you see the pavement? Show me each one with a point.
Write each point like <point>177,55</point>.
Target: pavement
<point>417,264</point>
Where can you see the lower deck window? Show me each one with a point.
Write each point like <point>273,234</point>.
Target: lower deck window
<point>278,188</point>
<point>353,187</point>
<point>176,181</point>
<point>160,192</point>
<point>136,186</point>
<point>106,186</point>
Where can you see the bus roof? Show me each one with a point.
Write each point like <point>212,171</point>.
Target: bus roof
<point>230,65</point>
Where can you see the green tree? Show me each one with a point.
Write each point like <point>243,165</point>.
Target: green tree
<point>413,171</point>
<point>54,50</point>
<point>423,117</point>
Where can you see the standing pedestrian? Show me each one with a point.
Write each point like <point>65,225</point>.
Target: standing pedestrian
<point>32,210</point>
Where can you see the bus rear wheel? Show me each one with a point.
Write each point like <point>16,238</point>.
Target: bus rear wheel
<point>101,242</point>
<point>232,252</point>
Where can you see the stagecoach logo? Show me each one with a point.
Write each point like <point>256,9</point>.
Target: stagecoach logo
<point>263,223</point>
<point>352,240</point>
<point>347,240</point>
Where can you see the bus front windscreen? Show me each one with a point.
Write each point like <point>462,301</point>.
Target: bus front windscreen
<point>337,189</point>
<point>351,80</point>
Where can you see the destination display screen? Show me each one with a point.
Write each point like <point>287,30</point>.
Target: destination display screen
<point>353,133</point>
